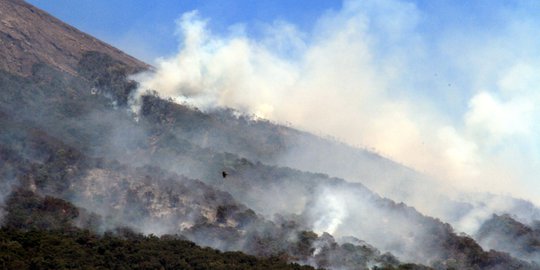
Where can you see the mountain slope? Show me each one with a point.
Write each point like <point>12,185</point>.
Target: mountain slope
<point>147,199</point>
<point>32,36</point>
<point>67,133</point>
<point>502,232</point>
<point>322,203</point>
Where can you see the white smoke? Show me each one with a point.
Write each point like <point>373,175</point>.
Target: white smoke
<point>331,212</point>
<point>459,105</point>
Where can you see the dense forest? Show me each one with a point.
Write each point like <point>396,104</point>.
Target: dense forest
<point>82,249</point>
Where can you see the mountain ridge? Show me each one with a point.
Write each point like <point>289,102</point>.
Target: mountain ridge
<point>34,36</point>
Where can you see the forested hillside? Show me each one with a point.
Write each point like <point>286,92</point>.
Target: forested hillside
<point>95,173</point>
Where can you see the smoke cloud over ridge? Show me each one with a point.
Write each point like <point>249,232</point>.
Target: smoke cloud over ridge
<point>455,102</point>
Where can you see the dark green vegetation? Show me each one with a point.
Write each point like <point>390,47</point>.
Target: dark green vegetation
<point>38,233</point>
<point>82,249</point>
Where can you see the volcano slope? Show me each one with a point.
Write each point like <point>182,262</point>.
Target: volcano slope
<point>73,152</point>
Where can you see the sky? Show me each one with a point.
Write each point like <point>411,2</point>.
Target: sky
<point>449,88</point>
<point>146,28</point>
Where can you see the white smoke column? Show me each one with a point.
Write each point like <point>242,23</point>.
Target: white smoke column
<point>367,75</point>
<point>6,187</point>
<point>331,210</point>
<point>211,71</point>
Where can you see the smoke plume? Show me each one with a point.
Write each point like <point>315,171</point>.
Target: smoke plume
<point>454,102</point>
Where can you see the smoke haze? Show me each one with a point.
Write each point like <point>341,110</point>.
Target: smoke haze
<point>457,104</point>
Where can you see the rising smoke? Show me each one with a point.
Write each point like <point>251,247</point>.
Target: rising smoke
<point>457,104</point>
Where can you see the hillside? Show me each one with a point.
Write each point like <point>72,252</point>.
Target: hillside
<point>503,232</point>
<point>145,198</point>
<point>30,36</point>
<point>73,153</point>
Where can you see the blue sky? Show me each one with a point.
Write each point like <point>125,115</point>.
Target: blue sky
<point>153,21</point>
<point>454,82</point>
<point>151,25</point>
